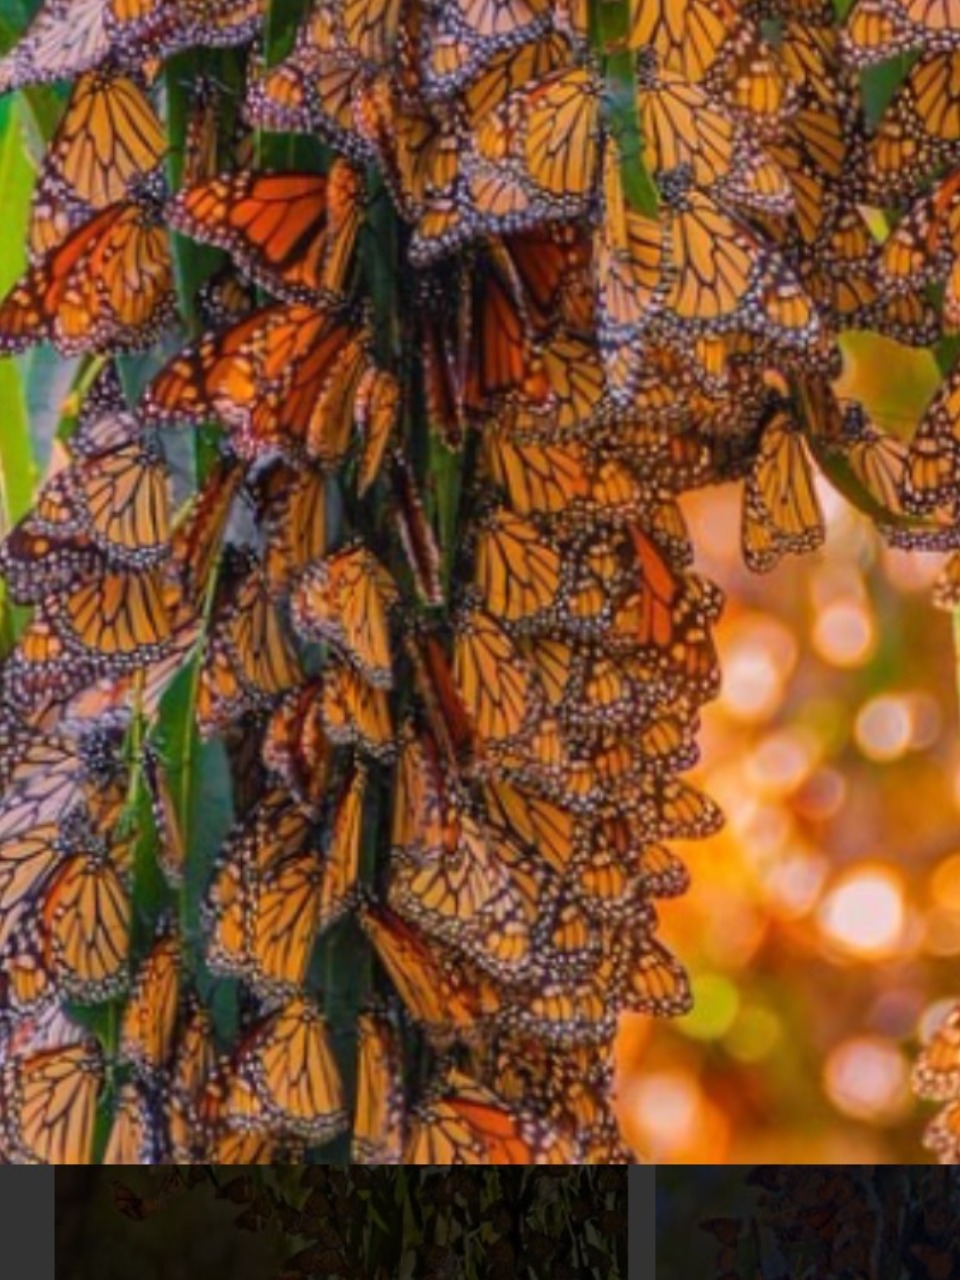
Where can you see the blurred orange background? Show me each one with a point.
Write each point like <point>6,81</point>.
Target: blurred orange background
<point>822,928</point>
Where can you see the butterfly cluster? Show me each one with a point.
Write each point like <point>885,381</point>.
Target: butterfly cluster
<point>359,1222</point>
<point>936,1076</point>
<point>838,1223</point>
<point>430,576</point>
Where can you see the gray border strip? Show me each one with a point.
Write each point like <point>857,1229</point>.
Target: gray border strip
<point>27,1222</point>
<point>642,1230</point>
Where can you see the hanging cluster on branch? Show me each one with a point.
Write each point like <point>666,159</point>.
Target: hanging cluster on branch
<point>473,293</point>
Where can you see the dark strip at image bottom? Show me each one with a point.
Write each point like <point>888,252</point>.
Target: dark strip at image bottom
<point>202,1222</point>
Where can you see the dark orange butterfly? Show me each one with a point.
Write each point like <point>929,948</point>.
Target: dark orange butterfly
<point>293,233</point>
<point>447,1000</point>
<point>107,287</point>
<point>461,1121</point>
<point>282,380</point>
<point>345,598</point>
<point>148,1026</point>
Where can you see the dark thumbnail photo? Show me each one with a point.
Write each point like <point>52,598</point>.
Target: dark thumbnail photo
<point>206,1222</point>
<point>779,1222</point>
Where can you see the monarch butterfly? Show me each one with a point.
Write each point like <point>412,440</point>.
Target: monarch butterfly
<point>354,712</point>
<point>341,865</point>
<point>118,500</point>
<point>686,37</point>
<point>656,982</point>
<point>35,566</point>
<point>149,1020</point>
<point>136,1137</point>
<point>722,156</point>
<point>562,1012</point>
<point>567,1087</point>
<point>283,378</point>
<point>278,828</point>
<point>109,142</point>
<point>287,915</point>
<point>753,81</point>
<point>448,1001</point>
<point>452,879</point>
<point>345,599</point>
<point>942,1134</point>
<point>931,474</point>
<point>376,411</point>
<point>631,280</point>
<point>660,872</point>
<point>293,233</point>
<point>416,533</point>
<point>67,37</point>
<point>50,1099</point>
<point>249,660</point>
<point>667,615</point>
<point>946,588</point>
<point>104,421</point>
<point>198,538</point>
<point>878,461</point>
<point>316,87</point>
<point>171,847</point>
<point>516,570</point>
<point>224,298</point>
<point>380,1113</point>
<point>118,619</point>
<point>595,690</point>
<point>202,134</point>
<point>458,41</point>
<point>295,745</point>
<point>936,1073</point>
<point>880,29</point>
<point>288,1065</point>
<point>85,918</point>
<point>27,859</point>
<point>675,810</point>
<point>850,289</point>
<point>461,1121</point>
<point>530,159</point>
<point>44,776</point>
<point>918,132</point>
<point>294,523</point>
<point>531,821</point>
<point>416,147</point>
<point>537,479</point>
<point>781,511</point>
<point>925,247</point>
<point>725,279</point>
<point>107,287</point>
<point>193,1068</point>
<point>498,688</point>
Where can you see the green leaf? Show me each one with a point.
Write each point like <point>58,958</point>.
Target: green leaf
<point>17,464</point>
